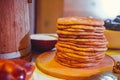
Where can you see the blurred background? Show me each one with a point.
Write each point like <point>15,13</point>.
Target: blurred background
<point>44,13</point>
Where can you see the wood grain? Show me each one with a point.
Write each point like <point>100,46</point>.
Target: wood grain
<point>14,25</point>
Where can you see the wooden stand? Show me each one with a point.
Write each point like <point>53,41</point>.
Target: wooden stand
<point>46,63</point>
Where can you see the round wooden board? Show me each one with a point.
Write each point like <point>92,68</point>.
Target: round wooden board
<point>46,63</point>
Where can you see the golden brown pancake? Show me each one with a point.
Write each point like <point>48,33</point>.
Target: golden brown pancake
<point>78,33</point>
<point>81,36</point>
<point>81,28</point>
<point>97,43</point>
<point>83,40</point>
<point>80,20</point>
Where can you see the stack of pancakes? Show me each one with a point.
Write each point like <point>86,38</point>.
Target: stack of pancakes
<point>81,41</point>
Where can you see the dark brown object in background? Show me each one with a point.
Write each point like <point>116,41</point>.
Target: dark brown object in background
<point>29,1</point>
<point>14,27</point>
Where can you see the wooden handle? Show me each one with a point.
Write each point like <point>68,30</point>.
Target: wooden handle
<point>29,1</point>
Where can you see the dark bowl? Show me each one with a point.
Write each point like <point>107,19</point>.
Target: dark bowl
<point>43,42</point>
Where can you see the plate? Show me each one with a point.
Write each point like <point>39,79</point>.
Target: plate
<point>45,63</point>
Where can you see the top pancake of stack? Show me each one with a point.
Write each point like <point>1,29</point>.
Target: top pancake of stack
<point>80,20</point>
<point>81,41</point>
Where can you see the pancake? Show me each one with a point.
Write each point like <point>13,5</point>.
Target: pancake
<point>97,43</point>
<point>78,33</point>
<point>85,27</point>
<point>81,28</point>
<point>83,40</point>
<point>81,36</point>
<point>80,20</point>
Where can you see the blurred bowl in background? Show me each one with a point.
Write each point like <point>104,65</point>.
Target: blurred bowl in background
<point>43,42</point>
<point>113,38</point>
